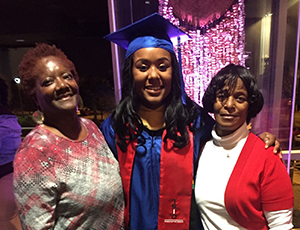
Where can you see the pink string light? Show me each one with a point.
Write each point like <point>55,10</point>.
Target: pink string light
<point>211,48</point>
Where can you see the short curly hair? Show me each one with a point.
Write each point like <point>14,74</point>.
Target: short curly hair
<point>228,77</point>
<point>28,63</point>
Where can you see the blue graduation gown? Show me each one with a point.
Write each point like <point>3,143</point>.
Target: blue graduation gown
<point>144,192</point>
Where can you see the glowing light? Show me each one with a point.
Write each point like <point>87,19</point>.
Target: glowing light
<point>212,47</point>
<point>17,80</point>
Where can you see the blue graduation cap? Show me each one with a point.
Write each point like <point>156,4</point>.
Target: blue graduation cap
<point>151,31</point>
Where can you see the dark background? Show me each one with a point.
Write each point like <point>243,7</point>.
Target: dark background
<point>75,26</point>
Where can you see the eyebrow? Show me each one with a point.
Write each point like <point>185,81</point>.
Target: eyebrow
<point>160,59</point>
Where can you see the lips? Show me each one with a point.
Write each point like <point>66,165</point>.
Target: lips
<point>153,89</point>
<point>64,96</point>
<point>228,116</point>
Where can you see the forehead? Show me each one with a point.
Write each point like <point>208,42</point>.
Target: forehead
<point>50,61</point>
<point>239,84</point>
<point>46,67</point>
<point>151,52</point>
<point>233,83</point>
<point>50,64</point>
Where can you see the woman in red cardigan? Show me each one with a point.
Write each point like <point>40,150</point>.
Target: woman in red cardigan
<point>251,188</point>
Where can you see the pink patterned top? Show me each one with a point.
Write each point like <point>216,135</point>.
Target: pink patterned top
<point>65,184</point>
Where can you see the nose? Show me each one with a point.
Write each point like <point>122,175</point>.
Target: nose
<point>229,102</point>
<point>60,83</point>
<point>153,72</point>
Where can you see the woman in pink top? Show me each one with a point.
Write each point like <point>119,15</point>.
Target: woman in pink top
<point>65,175</point>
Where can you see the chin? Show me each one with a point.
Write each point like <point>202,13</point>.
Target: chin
<point>66,108</point>
<point>151,104</point>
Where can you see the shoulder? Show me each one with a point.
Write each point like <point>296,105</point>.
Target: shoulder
<point>9,121</point>
<point>109,134</point>
<point>35,143</point>
<point>106,128</point>
<point>37,136</point>
<point>203,117</point>
<point>203,125</point>
<point>87,122</point>
<point>90,125</point>
<point>95,134</point>
<point>255,144</point>
<point>255,148</point>
<point>106,123</point>
<point>33,153</point>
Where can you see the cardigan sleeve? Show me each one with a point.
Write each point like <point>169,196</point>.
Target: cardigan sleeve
<point>276,186</point>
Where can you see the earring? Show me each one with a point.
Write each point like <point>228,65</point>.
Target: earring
<point>38,117</point>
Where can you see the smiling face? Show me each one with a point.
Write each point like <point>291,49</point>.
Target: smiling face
<point>56,88</point>
<point>152,74</point>
<point>231,108</point>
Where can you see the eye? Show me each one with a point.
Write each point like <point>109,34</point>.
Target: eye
<point>47,82</point>
<point>241,99</point>
<point>221,97</point>
<point>67,76</point>
<point>143,68</point>
<point>162,67</point>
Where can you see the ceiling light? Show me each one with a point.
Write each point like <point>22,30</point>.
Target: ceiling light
<point>20,40</point>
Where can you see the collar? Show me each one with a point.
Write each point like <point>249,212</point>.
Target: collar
<point>230,141</point>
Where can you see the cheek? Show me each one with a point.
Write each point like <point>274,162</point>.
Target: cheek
<point>246,108</point>
<point>138,87</point>
<point>139,82</point>
<point>168,85</point>
<point>136,74</point>
<point>75,87</point>
<point>168,81</point>
<point>217,106</point>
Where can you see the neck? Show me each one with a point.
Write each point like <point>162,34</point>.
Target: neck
<point>68,126</point>
<point>153,119</point>
<point>231,140</point>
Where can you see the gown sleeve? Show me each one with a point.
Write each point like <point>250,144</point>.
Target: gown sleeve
<point>109,135</point>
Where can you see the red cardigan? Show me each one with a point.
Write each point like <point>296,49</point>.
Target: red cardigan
<point>259,182</point>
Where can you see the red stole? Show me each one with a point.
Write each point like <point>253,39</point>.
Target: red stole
<point>175,186</point>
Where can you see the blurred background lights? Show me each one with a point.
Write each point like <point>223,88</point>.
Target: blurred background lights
<point>17,80</point>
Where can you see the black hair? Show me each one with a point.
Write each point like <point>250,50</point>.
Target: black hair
<point>228,77</point>
<point>178,115</point>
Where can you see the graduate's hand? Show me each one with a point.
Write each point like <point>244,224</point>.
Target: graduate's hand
<point>270,140</point>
